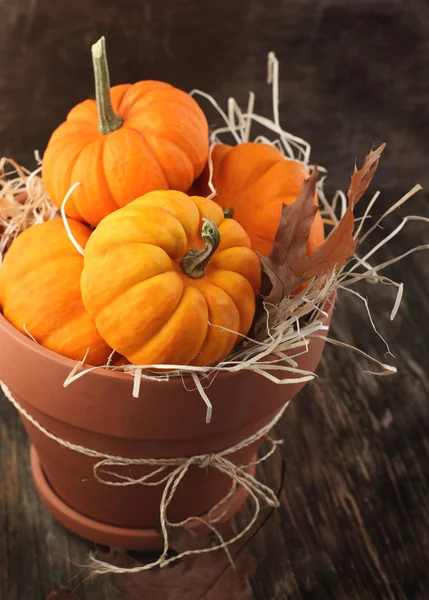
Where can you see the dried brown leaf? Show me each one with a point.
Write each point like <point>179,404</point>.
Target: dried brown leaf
<point>290,243</point>
<point>199,577</point>
<point>340,246</point>
<point>361,178</point>
<point>62,594</point>
<point>336,251</point>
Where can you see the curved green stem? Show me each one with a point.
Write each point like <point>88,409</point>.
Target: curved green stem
<point>195,261</point>
<point>108,121</point>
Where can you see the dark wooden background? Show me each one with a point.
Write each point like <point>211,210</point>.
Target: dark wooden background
<point>354,520</point>
<point>353,72</point>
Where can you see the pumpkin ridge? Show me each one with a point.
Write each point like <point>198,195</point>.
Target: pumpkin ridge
<point>254,176</point>
<point>208,325</point>
<point>118,102</point>
<point>79,198</point>
<point>139,95</point>
<point>71,207</point>
<point>252,271</point>
<point>213,328</point>
<point>268,174</point>
<point>141,134</point>
<point>178,148</point>
<point>71,200</point>
<point>109,242</point>
<point>229,295</point>
<point>183,150</point>
<point>172,315</point>
<point>134,171</point>
<point>129,279</point>
<point>246,188</point>
<point>119,296</point>
<point>67,128</point>
<point>161,167</point>
<point>185,102</point>
<point>89,117</point>
<point>49,340</point>
<point>161,136</point>
<point>18,274</point>
<point>187,114</point>
<point>190,119</point>
<point>242,331</point>
<point>52,333</point>
<point>103,175</point>
<point>186,144</point>
<point>191,228</point>
<point>166,316</point>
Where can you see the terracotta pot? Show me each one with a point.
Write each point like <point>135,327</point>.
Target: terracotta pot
<point>99,412</point>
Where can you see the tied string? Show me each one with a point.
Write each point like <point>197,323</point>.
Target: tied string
<point>169,472</point>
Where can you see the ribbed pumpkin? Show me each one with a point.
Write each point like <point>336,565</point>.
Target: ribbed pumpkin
<point>252,182</point>
<point>132,139</point>
<point>168,280</point>
<point>40,291</point>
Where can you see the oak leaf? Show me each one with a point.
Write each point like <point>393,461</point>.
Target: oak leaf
<point>288,264</point>
<point>340,246</point>
<point>62,594</point>
<point>206,576</point>
<point>290,242</point>
<point>361,178</point>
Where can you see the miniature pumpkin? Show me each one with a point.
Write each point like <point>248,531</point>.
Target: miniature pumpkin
<point>40,291</point>
<point>163,290</point>
<point>252,182</point>
<point>132,139</point>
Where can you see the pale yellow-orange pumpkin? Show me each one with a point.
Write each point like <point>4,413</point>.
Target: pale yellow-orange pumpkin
<point>169,280</point>
<point>40,291</point>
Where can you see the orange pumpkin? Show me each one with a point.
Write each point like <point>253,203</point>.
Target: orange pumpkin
<point>40,291</point>
<point>252,182</point>
<point>163,290</point>
<point>132,139</point>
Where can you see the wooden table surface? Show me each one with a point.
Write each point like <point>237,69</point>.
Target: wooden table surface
<point>354,517</point>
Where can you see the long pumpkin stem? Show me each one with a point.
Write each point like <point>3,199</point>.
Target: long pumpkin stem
<point>195,261</point>
<point>108,121</point>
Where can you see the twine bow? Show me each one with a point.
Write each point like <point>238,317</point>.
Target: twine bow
<point>170,473</point>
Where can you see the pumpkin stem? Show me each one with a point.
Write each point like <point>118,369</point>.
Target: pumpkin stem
<point>228,213</point>
<point>108,121</point>
<point>195,261</point>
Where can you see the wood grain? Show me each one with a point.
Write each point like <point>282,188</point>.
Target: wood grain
<point>353,72</point>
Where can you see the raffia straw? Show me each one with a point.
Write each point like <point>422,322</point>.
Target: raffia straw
<point>170,472</point>
<point>65,220</point>
<point>23,201</point>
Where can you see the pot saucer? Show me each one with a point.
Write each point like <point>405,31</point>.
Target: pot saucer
<point>100,533</point>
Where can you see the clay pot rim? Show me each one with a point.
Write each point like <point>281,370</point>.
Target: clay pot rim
<point>91,403</point>
<point>53,357</point>
<point>69,363</point>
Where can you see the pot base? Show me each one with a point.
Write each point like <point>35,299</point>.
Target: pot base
<point>146,540</point>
